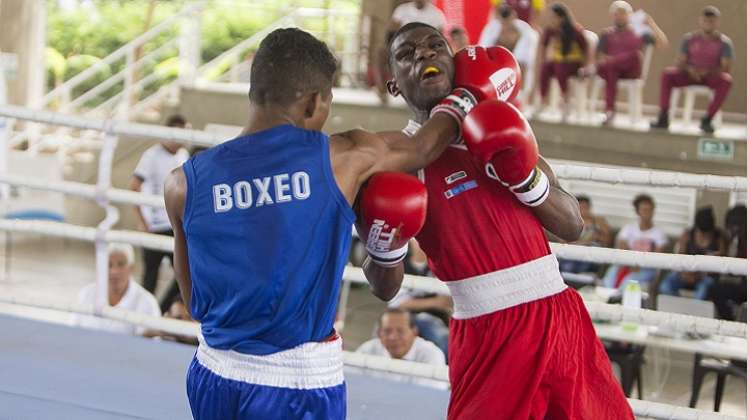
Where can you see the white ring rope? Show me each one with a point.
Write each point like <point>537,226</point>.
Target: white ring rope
<point>675,262</point>
<point>679,323</point>
<point>657,178</point>
<point>80,189</point>
<point>120,128</point>
<point>155,132</point>
<point>671,321</point>
<point>375,363</point>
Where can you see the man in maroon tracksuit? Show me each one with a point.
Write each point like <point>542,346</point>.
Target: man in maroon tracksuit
<point>705,59</point>
<point>619,53</point>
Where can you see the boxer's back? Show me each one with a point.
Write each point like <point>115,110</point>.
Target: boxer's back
<point>474,225</point>
<point>267,233</point>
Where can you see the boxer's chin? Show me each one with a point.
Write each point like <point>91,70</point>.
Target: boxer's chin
<point>431,95</point>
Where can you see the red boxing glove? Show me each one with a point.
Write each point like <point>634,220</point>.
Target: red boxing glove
<point>498,135</point>
<point>489,73</point>
<point>391,209</point>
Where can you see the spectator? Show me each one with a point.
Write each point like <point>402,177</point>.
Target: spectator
<point>705,59</point>
<point>702,239</point>
<point>418,11</point>
<point>637,236</point>
<point>177,311</point>
<point>563,51</point>
<point>122,292</point>
<point>619,53</point>
<point>516,35</point>
<point>458,39</point>
<point>398,339</point>
<point>525,9</point>
<point>596,233</point>
<point>172,293</point>
<point>431,311</point>
<point>149,176</point>
<point>727,295</point>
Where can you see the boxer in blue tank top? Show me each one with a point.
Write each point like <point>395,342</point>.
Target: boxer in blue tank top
<point>262,225</point>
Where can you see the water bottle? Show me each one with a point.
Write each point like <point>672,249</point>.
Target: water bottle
<point>631,299</point>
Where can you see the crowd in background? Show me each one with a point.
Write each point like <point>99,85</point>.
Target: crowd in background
<point>562,49</point>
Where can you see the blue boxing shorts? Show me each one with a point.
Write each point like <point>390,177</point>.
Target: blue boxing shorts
<point>305,382</point>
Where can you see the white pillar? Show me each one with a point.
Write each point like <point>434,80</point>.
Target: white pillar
<point>190,48</point>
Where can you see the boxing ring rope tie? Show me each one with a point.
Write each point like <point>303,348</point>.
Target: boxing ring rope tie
<point>154,132</point>
<point>678,322</point>
<point>404,368</point>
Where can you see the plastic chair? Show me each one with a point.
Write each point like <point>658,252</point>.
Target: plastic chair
<point>578,86</point>
<point>634,88</point>
<point>722,369</point>
<point>687,108</point>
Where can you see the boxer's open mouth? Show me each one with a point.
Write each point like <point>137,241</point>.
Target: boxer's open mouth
<point>430,72</point>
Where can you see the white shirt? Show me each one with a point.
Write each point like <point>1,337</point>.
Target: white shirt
<point>526,47</point>
<point>642,240</point>
<point>153,168</point>
<point>135,299</point>
<point>422,351</point>
<point>430,14</point>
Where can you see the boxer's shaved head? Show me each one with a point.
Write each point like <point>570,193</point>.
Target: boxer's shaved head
<point>289,64</point>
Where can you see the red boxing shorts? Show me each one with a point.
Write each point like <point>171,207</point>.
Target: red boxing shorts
<point>534,360</point>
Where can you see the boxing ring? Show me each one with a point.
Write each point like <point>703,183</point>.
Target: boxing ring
<point>63,372</point>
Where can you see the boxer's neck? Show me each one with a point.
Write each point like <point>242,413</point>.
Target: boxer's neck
<point>265,117</point>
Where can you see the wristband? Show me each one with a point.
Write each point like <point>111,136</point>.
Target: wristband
<point>458,104</point>
<point>534,190</point>
<point>388,258</point>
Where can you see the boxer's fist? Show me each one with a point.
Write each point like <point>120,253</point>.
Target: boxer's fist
<point>481,74</point>
<point>488,73</point>
<point>391,210</point>
<point>497,135</point>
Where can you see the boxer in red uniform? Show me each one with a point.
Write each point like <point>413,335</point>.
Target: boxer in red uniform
<point>521,345</point>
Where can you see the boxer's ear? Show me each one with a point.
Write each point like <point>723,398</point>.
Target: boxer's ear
<point>392,88</point>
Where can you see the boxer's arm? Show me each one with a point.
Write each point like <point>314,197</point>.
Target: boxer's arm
<point>357,154</point>
<point>175,192</point>
<point>385,281</point>
<point>559,214</point>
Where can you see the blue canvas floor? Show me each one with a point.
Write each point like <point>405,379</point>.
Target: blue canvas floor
<point>50,371</point>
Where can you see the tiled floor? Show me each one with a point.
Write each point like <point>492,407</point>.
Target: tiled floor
<point>55,269</point>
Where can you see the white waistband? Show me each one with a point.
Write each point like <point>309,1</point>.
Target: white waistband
<point>487,293</point>
<point>308,366</point>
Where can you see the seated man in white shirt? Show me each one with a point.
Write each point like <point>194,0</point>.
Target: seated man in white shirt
<point>123,293</point>
<point>418,11</point>
<point>506,30</point>
<point>398,339</point>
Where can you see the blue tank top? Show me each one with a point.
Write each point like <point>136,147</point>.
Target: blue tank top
<point>268,234</point>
